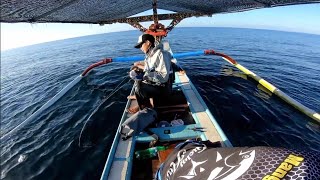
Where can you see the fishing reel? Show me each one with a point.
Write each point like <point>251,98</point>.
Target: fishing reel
<point>136,73</point>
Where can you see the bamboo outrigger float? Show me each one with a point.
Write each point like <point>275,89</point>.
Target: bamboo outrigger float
<point>307,111</point>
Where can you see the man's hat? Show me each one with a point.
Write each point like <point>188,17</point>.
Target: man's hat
<point>143,38</point>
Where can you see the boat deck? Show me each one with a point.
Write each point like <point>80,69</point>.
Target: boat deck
<point>120,160</point>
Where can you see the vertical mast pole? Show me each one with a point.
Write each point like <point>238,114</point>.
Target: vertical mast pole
<point>155,13</point>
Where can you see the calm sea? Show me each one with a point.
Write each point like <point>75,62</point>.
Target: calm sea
<point>48,147</point>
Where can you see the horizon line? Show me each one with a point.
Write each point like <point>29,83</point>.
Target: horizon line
<point>126,30</point>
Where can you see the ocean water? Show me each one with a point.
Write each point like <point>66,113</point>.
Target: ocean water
<point>48,146</point>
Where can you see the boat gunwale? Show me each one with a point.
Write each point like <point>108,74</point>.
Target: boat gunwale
<point>115,143</point>
<point>224,138</point>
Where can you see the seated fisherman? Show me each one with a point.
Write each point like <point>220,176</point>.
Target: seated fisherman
<point>156,68</point>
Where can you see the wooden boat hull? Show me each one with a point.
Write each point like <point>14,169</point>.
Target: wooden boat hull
<point>120,159</point>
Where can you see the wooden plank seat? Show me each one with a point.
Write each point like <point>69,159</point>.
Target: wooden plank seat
<point>161,110</point>
<point>174,106</point>
<point>171,133</point>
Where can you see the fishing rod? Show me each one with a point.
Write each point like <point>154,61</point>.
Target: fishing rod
<point>309,112</point>
<point>61,93</point>
<point>83,140</point>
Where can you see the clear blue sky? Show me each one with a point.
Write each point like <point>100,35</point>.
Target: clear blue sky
<point>297,18</point>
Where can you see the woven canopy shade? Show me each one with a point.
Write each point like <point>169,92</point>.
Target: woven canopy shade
<point>109,11</point>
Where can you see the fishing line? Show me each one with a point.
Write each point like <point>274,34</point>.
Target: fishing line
<point>118,87</point>
<point>116,90</point>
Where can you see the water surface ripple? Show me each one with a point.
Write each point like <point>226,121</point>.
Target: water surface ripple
<point>48,146</point>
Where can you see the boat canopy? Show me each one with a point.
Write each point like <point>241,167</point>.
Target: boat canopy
<point>112,11</point>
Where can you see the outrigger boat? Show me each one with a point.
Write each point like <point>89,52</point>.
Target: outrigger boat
<point>185,105</point>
